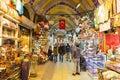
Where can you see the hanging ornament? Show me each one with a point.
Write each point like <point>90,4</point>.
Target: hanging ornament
<point>41,24</point>
<point>32,1</point>
<point>14,2</point>
<point>19,7</point>
<point>46,25</point>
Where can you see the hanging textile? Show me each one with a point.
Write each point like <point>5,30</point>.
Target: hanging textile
<point>32,1</point>
<point>19,7</point>
<point>112,39</point>
<point>62,24</point>
<point>14,2</point>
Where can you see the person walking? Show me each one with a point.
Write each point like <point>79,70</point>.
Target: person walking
<point>61,51</point>
<point>50,53</point>
<point>76,60</point>
<point>68,52</point>
<point>55,53</point>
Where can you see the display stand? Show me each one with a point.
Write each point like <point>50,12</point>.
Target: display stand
<point>33,66</point>
<point>111,70</point>
<point>93,63</point>
<point>9,30</point>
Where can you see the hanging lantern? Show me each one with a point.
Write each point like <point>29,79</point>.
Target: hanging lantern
<point>46,25</point>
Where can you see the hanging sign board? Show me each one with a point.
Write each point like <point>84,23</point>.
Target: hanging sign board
<point>118,6</point>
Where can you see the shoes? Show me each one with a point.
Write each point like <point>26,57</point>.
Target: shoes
<point>73,74</point>
<point>77,73</point>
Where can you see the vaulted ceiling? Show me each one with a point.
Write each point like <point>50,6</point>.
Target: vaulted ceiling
<point>63,9</point>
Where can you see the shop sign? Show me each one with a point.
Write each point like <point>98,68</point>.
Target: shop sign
<point>105,26</point>
<point>3,6</point>
<point>118,6</point>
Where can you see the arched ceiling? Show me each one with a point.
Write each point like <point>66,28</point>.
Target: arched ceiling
<point>62,9</point>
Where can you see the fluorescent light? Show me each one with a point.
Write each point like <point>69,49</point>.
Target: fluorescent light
<point>78,6</point>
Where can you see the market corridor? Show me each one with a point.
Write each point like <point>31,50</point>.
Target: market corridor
<point>58,71</point>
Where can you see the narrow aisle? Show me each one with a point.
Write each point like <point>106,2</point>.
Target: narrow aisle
<point>58,71</point>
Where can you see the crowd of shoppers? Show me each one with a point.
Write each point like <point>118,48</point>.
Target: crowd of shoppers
<point>71,53</point>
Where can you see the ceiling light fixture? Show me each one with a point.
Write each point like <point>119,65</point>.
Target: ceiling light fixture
<point>78,5</point>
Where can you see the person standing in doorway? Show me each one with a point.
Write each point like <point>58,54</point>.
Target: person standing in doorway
<point>76,59</point>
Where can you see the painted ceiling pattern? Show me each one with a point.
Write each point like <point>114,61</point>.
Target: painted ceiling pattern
<point>65,9</point>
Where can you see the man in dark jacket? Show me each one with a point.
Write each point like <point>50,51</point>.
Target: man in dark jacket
<point>61,51</point>
<point>68,52</point>
<point>50,53</point>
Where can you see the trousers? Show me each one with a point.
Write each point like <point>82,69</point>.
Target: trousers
<point>76,68</point>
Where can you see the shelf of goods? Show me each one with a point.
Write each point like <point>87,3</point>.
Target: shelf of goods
<point>93,63</point>
<point>11,72</point>
<point>9,30</point>
<point>111,72</point>
<point>115,66</point>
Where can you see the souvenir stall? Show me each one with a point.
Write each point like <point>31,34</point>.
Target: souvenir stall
<point>9,62</point>
<point>94,57</point>
<point>109,37</point>
<point>10,52</point>
<point>41,41</point>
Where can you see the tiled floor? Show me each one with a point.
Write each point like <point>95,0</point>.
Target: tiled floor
<point>58,71</point>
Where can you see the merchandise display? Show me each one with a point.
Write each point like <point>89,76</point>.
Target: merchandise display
<point>24,39</point>
<point>29,29</point>
<point>112,70</point>
<point>95,62</point>
<point>9,64</point>
<point>108,74</point>
<point>9,31</point>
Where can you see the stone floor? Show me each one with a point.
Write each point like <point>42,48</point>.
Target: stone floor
<point>57,71</point>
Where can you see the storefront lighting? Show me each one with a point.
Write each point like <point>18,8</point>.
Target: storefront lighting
<point>78,5</point>
<point>80,24</point>
<point>116,32</point>
<point>117,18</point>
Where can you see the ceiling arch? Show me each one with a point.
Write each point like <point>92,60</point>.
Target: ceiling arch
<point>62,8</point>
<point>65,9</point>
<point>70,24</point>
<point>64,4</point>
<point>56,11</point>
<point>52,3</point>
